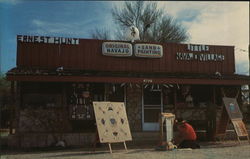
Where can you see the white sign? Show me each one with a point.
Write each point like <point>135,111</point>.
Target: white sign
<point>47,39</point>
<point>117,49</point>
<point>192,47</point>
<point>199,56</point>
<point>147,80</point>
<point>112,122</point>
<point>148,50</point>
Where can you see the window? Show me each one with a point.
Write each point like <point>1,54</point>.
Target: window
<point>114,92</point>
<point>41,95</point>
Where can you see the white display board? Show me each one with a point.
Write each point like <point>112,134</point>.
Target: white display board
<point>112,122</point>
<point>168,118</point>
<point>169,129</point>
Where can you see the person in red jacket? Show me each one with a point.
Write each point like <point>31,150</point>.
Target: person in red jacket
<point>186,137</point>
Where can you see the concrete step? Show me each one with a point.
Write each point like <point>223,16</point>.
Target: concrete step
<point>144,139</point>
<point>138,136</point>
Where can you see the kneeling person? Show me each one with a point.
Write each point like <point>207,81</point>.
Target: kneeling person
<point>186,135</point>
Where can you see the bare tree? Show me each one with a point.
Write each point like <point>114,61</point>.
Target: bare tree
<point>167,30</point>
<point>151,21</point>
<point>102,34</point>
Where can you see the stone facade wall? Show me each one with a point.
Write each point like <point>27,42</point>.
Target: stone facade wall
<point>134,107</point>
<point>44,120</point>
<point>28,140</point>
<point>189,114</point>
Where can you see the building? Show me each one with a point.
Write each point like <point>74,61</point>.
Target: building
<point>56,80</point>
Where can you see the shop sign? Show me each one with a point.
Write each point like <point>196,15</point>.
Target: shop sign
<point>148,50</point>
<point>199,53</point>
<point>120,49</point>
<point>147,80</point>
<point>47,39</point>
<point>192,47</point>
<point>199,56</point>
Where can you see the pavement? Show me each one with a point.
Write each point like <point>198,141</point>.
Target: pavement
<point>209,150</point>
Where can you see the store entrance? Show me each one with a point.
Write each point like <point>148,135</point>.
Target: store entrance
<point>152,107</point>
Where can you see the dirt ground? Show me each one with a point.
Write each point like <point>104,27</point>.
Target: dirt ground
<point>226,150</point>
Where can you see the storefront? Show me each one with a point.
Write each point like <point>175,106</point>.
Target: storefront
<point>57,79</point>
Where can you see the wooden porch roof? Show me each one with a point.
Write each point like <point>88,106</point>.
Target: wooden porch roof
<point>61,75</point>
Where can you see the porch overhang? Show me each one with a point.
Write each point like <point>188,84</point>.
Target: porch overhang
<point>138,80</point>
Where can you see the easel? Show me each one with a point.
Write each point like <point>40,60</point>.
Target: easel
<point>109,144</point>
<point>124,143</point>
<point>240,129</point>
<point>234,116</point>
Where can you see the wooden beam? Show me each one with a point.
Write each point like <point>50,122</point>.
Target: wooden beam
<point>110,149</point>
<point>175,100</point>
<point>109,79</point>
<point>12,111</point>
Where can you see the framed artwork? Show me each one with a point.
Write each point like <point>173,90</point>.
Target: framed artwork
<point>240,127</point>
<point>232,108</point>
<point>112,122</point>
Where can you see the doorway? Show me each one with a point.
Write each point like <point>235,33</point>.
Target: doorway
<point>151,107</point>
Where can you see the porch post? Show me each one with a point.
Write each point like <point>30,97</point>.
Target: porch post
<point>175,100</point>
<point>214,110</point>
<point>17,104</point>
<point>12,109</point>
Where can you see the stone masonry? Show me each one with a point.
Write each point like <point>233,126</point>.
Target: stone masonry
<point>134,106</point>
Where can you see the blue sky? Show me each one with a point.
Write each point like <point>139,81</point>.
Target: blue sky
<point>215,23</point>
<point>68,19</point>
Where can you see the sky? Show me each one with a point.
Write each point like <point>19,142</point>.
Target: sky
<point>211,23</point>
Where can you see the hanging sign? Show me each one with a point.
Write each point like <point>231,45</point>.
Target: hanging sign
<point>148,50</point>
<point>47,39</point>
<point>120,49</point>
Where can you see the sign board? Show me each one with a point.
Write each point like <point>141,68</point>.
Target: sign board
<point>148,50</point>
<point>47,39</point>
<point>196,52</point>
<point>112,122</point>
<point>120,49</point>
<point>240,127</point>
<point>195,47</point>
<point>199,56</point>
<point>231,111</point>
<point>232,108</point>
